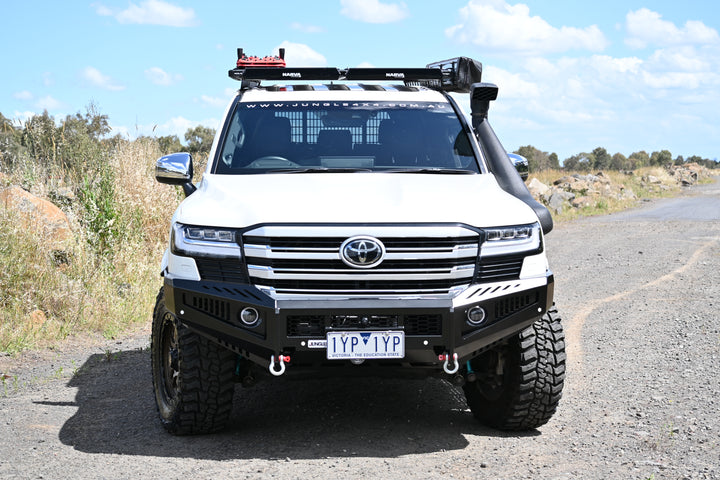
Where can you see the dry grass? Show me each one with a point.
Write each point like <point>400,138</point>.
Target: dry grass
<point>604,205</point>
<point>47,296</point>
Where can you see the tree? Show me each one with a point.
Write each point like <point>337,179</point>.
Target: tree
<point>662,158</point>
<point>39,138</point>
<point>619,162</point>
<point>638,159</point>
<point>170,144</point>
<point>10,143</point>
<point>602,159</point>
<point>554,161</point>
<point>199,139</point>
<point>537,159</point>
<point>582,162</point>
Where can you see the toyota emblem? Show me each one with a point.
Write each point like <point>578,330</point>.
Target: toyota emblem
<point>362,252</point>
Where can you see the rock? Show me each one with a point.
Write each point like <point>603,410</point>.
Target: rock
<point>39,215</point>
<point>63,196</point>
<point>581,202</point>
<point>537,188</point>
<point>557,198</point>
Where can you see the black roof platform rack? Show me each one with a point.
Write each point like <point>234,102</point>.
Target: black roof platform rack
<point>402,74</point>
<point>454,75</point>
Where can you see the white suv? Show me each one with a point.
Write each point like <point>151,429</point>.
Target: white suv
<point>355,227</point>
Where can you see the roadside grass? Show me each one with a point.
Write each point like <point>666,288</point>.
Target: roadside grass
<point>104,282</point>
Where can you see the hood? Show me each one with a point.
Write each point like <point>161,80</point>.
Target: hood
<point>243,200</point>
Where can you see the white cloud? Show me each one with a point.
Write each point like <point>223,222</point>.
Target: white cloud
<point>174,126</point>
<point>684,59</point>
<point>158,76</point>
<point>95,78</point>
<point>102,10</point>
<point>48,79</point>
<point>373,11</point>
<point>48,103</point>
<point>24,95</point>
<point>645,27</point>
<point>510,85</point>
<point>300,55</point>
<point>215,102</point>
<point>151,12</point>
<point>306,28</point>
<point>498,26</point>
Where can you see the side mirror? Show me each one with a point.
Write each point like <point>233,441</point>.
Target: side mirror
<point>521,165</point>
<point>176,169</point>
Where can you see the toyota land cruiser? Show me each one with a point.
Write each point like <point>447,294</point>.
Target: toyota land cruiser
<point>356,222</point>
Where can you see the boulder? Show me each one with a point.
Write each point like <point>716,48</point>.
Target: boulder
<point>537,188</point>
<point>40,215</point>
<point>557,198</point>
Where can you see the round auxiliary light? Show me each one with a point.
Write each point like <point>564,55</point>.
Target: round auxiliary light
<point>249,316</point>
<point>476,316</point>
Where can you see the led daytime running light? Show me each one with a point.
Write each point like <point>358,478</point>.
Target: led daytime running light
<point>209,234</point>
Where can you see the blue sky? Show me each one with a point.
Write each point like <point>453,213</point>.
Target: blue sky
<point>624,75</point>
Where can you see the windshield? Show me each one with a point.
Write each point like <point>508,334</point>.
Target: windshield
<point>345,136</point>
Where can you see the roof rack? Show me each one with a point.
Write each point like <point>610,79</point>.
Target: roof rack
<point>454,75</point>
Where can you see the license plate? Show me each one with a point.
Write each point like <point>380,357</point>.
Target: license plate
<point>350,345</point>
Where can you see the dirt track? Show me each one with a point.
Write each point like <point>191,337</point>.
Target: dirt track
<point>639,294</point>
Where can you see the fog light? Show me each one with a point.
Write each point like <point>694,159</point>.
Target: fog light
<point>249,316</point>
<point>476,316</point>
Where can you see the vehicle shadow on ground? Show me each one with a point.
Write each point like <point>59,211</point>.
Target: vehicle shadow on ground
<point>277,419</point>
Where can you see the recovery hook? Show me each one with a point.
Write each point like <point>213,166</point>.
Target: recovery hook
<point>446,358</point>
<point>281,362</point>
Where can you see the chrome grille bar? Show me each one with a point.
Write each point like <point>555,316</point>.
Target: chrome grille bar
<point>306,261</point>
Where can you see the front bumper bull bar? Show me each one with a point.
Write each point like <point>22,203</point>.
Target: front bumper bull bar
<point>436,330</point>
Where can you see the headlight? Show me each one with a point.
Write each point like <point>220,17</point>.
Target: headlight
<point>510,240</point>
<point>192,241</point>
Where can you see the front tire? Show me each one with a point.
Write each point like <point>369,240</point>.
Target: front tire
<point>192,376</point>
<point>519,384</point>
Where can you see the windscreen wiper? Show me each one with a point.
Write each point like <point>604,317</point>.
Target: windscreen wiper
<point>319,170</point>
<point>452,171</point>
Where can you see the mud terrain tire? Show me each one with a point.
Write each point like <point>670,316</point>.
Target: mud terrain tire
<point>192,376</point>
<point>519,384</point>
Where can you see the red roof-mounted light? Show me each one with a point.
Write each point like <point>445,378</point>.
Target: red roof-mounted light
<point>270,61</point>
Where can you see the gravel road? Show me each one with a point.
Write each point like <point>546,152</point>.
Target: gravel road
<point>639,294</point>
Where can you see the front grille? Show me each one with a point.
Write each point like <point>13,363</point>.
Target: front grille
<point>510,305</point>
<point>423,325</point>
<point>495,269</point>
<point>318,325</point>
<point>221,270</point>
<point>364,322</point>
<point>306,260</point>
<point>306,326</point>
<point>210,306</point>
